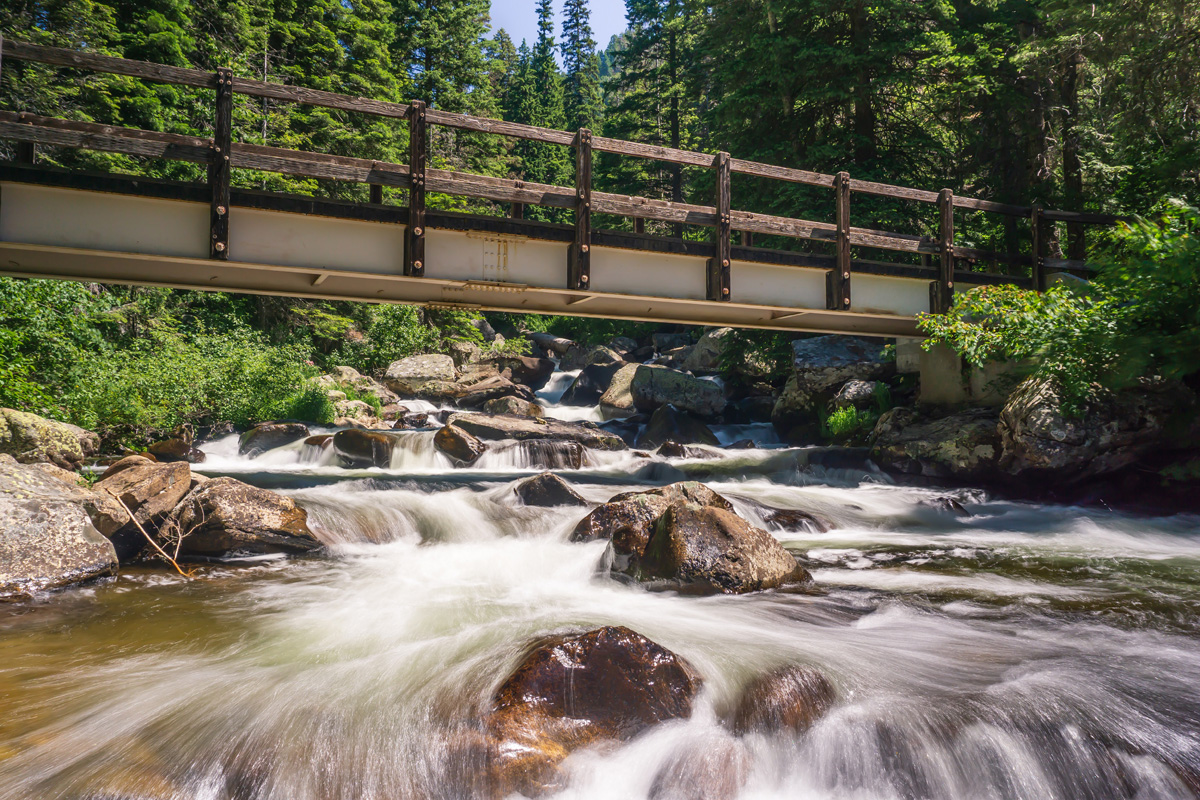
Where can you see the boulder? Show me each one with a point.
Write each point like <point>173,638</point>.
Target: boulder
<point>645,387</point>
<point>623,345</point>
<point>31,439</point>
<point>670,341</point>
<point>473,390</point>
<point>963,445</point>
<point>786,700</point>
<point>348,377</point>
<point>176,449</point>
<point>705,355</point>
<point>1039,440</point>
<point>47,482</point>
<point>856,394</point>
<point>549,342</point>
<point>269,435</point>
<point>670,449</point>
<point>579,357</point>
<point>553,454</point>
<point>499,427</point>
<point>608,684</point>
<point>591,382</point>
<point>669,424</point>
<point>149,490</point>
<point>464,352</point>
<point>708,550</point>
<point>513,405</point>
<point>548,489</point>
<point>364,448</point>
<point>408,377</point>
<point>458,444</point>
<point>526,370</point>
<point>47,539</point>
<point>412,419</point>
<point>225,517</point>
<point>820,366</point>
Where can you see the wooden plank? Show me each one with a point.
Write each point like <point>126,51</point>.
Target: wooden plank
<point>945,282</point>
<point>742,167</point>
<point>499,127</point>
<point>664,210</point>
<point>179,148</point>
<point>1068,264</point>
<point>1086,218</point>
<point>500,190</point>
<point>220,168</point>
<point>317,97</point>
<point>898,192</point>
<point>653,151</point>
<point>838,280</point>
<point>376,194</point>
<point>972,204</point>
<point>747,239</point>
<point>414,234</point>
<point>782,226</point>
<point>639,225</point>
<point>319,165</point>
<point>579,256</point>
<point>718,281</point>
<point>61,57</point>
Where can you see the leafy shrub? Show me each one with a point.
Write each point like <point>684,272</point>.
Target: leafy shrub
<point>753,355</point>
<point>393,332</point>
<point>849,423</point>
<point>583,330</point>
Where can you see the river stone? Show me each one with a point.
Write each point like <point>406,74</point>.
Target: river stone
<point>710,550</point>
<point>148,489</point>
<point>513,405</point>
<point>856,394</point>
<point>670,424</point>
<point>578,357</point>
<point>670,449</point>
<point>714,768</point>
<point>705,355</point>
<point>51,483</point>
<point>473,390</point>
<point>176,449</point>
<point>31,439</point>
<point>1039,440</point>
<point>48,544</point>
<point>670,341</point>
<point>269,435</point>
<point>645,387</point>
<point>499,427</point>
<point>458,444</point>
<point>225,517</point>
<point>788,700</point>
<point>964,445</point>
<point>464,352</point>
<point>819,366</point>
<point>623,345</point>
<point>551,454</point>
<point>591,382</point>
<point>409,376</point>
<point>527,370</point>
<point>548,490</point>
<point>608,684</point>
<point>410,420</point>
<point>364,448</point>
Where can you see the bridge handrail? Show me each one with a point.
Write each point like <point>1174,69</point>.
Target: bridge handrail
<point>35,129</point>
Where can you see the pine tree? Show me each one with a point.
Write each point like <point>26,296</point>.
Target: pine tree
<point>440,43</point>
<point>582,101</point>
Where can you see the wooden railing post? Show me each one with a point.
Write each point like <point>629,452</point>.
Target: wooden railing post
<point>516,210</point>
<point>718,265</point>
<point>414,239</point>
<point>376,193</point>
<point>579,257</point>
<point>837,281</point>
<point>639,225</point>
<point>1039,263</point>
<point>941,291</point>
<point>26,153</point>
<point>219,168</point>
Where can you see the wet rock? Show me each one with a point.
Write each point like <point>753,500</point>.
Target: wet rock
<point>225,517</point>
<point>527,370</point>
<point>408,377</point>
<point>458,444</point>
<point>473,391</point>
<point>757,408</point>
<point>709,550</point>
<point>856,394</point>
<point>147,489</point>
<point>628,519</point>
<point>788,700</point>
<point>321,440</point>
<point>170,450</point>
<point>645,387</point>
<point>553,454</point>
<point>356,413</point>
<point>670,449</point>
<point>513,405</point>
<point>497,427</point>
<point>792,519</point>
<point>32,439</point>
<point>820,365</point>
<point>571,691</point>
<point>269,435</point>
<point>714,768</point>
<point>47,539</point>
<point>579,357</point>
<point>947,504</point>
<point>669,341</point>
<point>591,382</point>
<point>963,445</point>
<point>550,343</point>
<point>668,423</point>
<point>412,419</point>
<point>464,352</point>
<point>742,444</point>
<point>705,355</point>
<point>548,489</point>
<point>623,345</point>
<point>364,448</point>
<point>1039,440</point>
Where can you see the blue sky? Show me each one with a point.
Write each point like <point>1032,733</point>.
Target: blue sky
<point>519,18</point>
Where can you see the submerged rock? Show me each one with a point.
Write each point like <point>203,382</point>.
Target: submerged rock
<point>627,520</point>
<point>527,370</point>
<point>31,439</point>
<point>498,427</point>
<point>670,424</point>
<point>48,539</point>
<point>671,449</point>
<point>409,376</point>
<point>269,435</point>
<point>963,445</point>
<point>571,691</point>
<point>458,444</point>
<point>364,448</point>
<point>550,454</point>
<point>225,517</point>
<point>789,699</point>
<point>548,489</point>
<point>714,768</point>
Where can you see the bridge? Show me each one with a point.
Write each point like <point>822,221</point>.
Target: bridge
<point>210,235</point>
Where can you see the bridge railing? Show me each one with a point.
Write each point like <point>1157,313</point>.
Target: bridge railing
<point>221,154</point>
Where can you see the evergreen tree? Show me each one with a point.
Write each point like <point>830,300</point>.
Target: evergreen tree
<point>582,102</point>
<point>440,44</point>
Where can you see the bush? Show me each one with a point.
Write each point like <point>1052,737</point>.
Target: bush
<point>583,330</point>
<point>393,332</point>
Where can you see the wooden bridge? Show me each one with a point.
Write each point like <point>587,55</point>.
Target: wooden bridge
<point>120,228</point>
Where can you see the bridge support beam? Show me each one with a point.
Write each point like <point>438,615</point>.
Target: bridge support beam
<point>718,265</point>
<point>219,168</point>
<point>579,256</point>
<point>1039,263</point>
<point>941,291</point>
<point>837,280</point>
<point>414,236</point>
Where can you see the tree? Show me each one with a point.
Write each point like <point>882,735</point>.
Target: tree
<point>582,102</point>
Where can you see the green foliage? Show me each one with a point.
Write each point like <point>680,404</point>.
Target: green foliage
<point>367,397</point>
<point>749,356</point>
<point>849,423</point>
<point>511,347</point>
<point>584,330</point>
<point>392,332</point>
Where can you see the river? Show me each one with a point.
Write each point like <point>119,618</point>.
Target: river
<point>1023,651</point>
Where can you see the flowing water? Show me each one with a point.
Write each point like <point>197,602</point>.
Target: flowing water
<point>1023,651</point>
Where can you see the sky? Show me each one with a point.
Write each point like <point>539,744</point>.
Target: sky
<point>519,18</point>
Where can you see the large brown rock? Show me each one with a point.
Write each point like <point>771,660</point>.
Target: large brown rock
<point>789,699</point>
<point>499,427</point>
<point>645,387</point>
<point>527,370</point>
<point>548,489</point>
<point>571,691</point>
<point>627,520</point>
<point>269,435</point>
<point>31,439</point>
<point>590,384</point>
<point>149,490</point>
<point>709,550</point>
<point>225,517</point>
<point>458,444</point>
<point>364,448</point>
<point>513,405</point>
